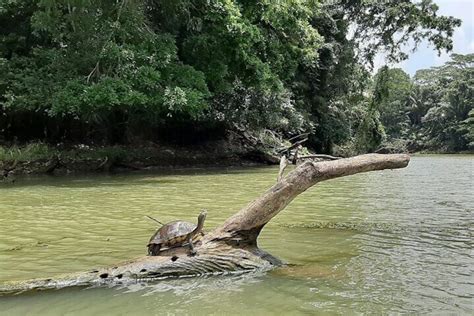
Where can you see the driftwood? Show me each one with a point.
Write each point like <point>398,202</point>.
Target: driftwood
<point>298,137</point>
<point>53,164</point>
<point>5,174</point>
<point>283,164</point>
<point>231,247</point>
<point>294,145</point>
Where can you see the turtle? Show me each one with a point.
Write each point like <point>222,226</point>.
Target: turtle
<point>176,234</point>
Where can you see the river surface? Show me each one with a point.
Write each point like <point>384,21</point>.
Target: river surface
<point>393,241</point>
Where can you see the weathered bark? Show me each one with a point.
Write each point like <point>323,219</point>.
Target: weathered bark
<point>232,247</point>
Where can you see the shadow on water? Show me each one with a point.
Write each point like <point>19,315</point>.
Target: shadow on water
<point>53,181</point>
<point>123,179</point>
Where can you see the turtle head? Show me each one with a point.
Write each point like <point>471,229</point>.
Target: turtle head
<point>201,218</point>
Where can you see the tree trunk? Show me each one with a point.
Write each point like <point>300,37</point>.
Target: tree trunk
<point>232,247</point>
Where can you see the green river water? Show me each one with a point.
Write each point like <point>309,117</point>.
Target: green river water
<point>394,241</point>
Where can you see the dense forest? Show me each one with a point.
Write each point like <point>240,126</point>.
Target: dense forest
<point>125,71</point>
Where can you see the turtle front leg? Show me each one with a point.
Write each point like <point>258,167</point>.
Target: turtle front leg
<point>193,251</point>
<point>154,249</point>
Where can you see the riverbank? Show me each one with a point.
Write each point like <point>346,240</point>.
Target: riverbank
<point>237,149</point>
<point>41,158</point>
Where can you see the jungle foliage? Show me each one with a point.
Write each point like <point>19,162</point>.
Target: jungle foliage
<point>126,70</point>
<point>438,111</point>
<point>433,111</point>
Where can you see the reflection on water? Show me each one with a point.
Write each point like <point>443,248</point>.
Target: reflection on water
<point>390,241</point>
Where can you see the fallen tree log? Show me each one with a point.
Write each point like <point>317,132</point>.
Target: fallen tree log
<point>231,247</point>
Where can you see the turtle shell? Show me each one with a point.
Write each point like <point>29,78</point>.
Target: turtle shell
<point>172,234</point>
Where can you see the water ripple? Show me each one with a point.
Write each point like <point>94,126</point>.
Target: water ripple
<point>378,243</point>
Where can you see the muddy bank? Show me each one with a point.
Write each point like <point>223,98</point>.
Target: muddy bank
<point>233,151</point>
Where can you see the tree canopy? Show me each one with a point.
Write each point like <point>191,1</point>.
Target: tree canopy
<point>114,71</point>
